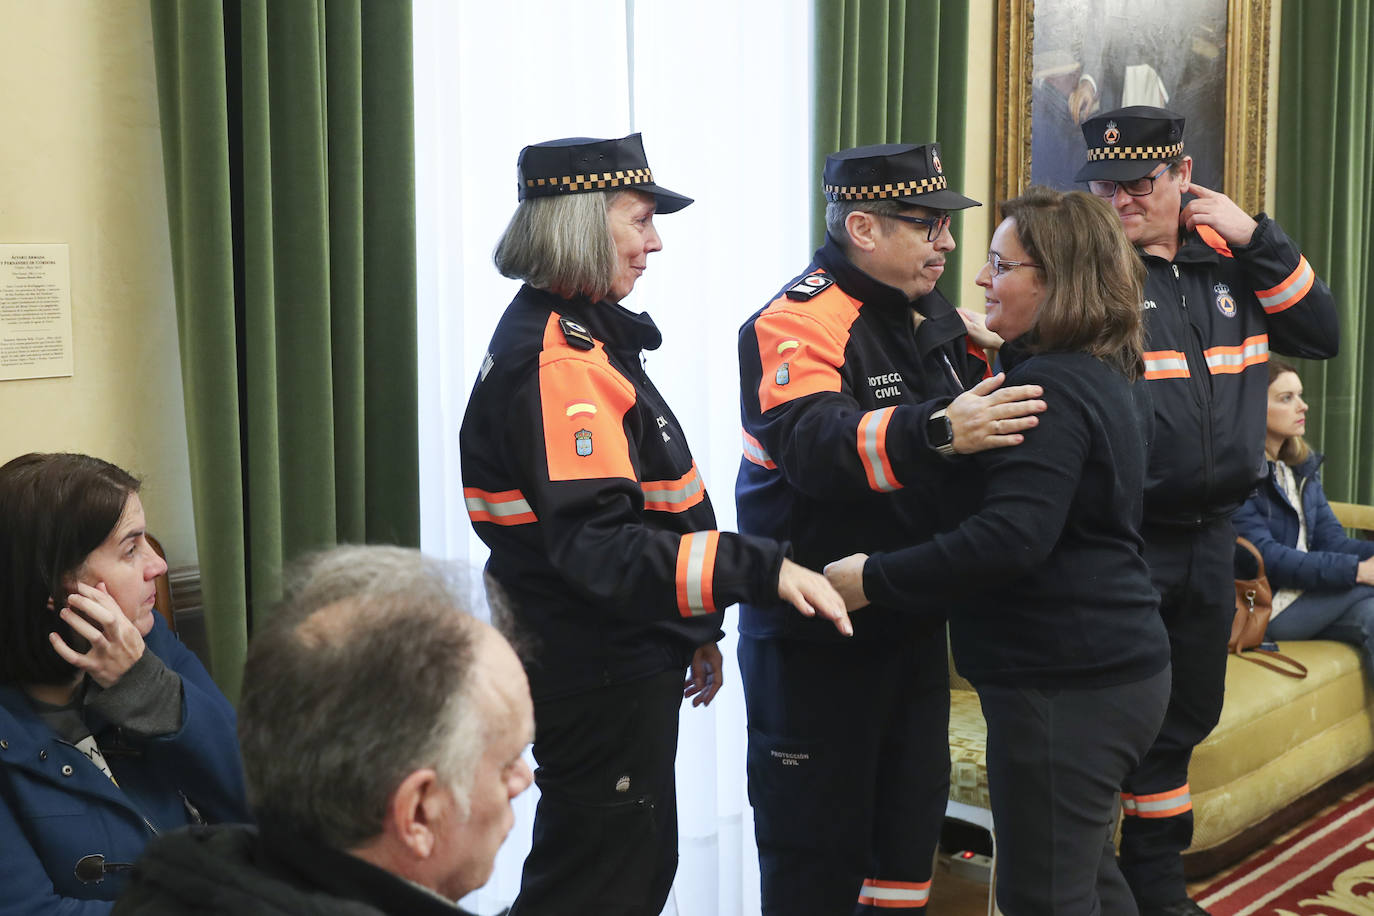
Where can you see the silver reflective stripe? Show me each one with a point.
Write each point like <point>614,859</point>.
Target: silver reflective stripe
<point>696,562</point>
<point>871,423</point>
<point>672,497</point>
<point>756,454</point>
<point>1284,291</point>
<point>1145,808</point>
<point>498,510</point>
<point>1159,364</point>
<point>894,893</point>
<point>1251,350</point>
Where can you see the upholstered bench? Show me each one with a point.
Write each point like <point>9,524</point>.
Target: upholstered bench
<point>1278,741</point>
<point>1280,745</point>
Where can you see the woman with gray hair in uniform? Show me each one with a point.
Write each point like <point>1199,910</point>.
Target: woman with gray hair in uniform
<point>603,540</point>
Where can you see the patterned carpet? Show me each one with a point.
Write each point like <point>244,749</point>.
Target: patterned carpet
<point>1323,868</point>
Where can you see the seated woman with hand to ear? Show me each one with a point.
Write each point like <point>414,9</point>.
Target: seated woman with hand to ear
<point>1052,616</point>
<point>111,731</point>
<point>1323,581</point>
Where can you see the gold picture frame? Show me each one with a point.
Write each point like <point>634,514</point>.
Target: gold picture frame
<point>1247,99</point>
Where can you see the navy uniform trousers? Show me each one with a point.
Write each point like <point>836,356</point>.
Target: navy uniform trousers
<point>605,830</point>
<point>1191,568</point>
<point>848,770</point>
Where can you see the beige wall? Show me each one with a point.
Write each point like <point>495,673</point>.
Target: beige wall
<point>81,163</point>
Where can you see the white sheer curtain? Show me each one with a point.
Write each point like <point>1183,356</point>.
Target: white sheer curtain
<point>721,92</point>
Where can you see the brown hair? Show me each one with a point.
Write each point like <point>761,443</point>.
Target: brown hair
<point>1295,449</point>
<point>54,510</point>
<point>1094,281</point>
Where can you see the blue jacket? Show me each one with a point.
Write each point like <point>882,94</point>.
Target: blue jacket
<point>57,807</point>
<point>1268,520</point>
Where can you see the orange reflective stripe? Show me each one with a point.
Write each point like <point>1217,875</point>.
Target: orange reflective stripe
<point>896,895</point>
<point>872,443</point>
<point>583,402</point>
<point>1290,292</point>
<point>507,507</point>
<point>696,568</point>
<point>801,346</point>
<point>1165,364</point>
<point>1162,804</point>
<point>674,495</point>
<point>1254,351</point>
<point>755,452</point>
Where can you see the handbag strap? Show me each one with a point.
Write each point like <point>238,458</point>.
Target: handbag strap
<point>1259,560</point>
<point>1296,668</point>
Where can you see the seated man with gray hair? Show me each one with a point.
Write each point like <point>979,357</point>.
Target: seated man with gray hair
<point>382,729</point>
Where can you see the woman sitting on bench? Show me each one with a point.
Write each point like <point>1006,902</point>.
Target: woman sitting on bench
<point>1323,581</point>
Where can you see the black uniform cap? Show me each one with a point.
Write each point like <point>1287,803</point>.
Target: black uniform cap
<point>892,171</point>
<point>1129,142</point>
<point>577,165</point>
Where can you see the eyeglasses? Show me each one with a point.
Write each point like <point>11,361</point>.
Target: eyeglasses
<point>934,225</point>
<point>1001,265</point>
<point>1136,187</point>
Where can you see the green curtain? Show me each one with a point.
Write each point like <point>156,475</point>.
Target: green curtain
<point>288,142</point>
<point>890,71</point>
<point>1325,198</point>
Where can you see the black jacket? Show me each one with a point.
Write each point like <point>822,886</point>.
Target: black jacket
<point>233,871</point>
<point>836,387</point>
<point>1044,581</point>
<point>579,479</point>
<point>1211,318</point>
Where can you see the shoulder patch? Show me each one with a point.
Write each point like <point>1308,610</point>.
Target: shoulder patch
<point>809,286</point>
<point>578,337</point>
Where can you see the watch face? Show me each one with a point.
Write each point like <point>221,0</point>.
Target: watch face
<point>939,432</point>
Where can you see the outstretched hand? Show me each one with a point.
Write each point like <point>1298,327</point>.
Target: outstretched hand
<point>988,416</point>
<point>1217,211</point>
<point>811,594</point>
<point>115,642</point>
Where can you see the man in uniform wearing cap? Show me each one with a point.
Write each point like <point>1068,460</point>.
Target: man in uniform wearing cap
<point>860,390</point>
<point>1222,289</point>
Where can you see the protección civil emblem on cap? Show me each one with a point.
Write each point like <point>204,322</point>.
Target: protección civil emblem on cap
<point>584,442</point>
<point>1226,304</point>
<point>1111,135</point>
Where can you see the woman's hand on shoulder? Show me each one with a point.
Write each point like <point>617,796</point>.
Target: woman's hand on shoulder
<point>811,594</point>
<point>115,642</point>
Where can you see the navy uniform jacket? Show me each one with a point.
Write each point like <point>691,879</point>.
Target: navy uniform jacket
<point>579,479</point>
<point>1211,318</point>
<point>836,388</point>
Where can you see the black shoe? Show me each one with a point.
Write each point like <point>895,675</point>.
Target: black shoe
<point>1184,907</point>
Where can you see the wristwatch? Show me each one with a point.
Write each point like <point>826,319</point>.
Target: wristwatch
<point>940,433</point>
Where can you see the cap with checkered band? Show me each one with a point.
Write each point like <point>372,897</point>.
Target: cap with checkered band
<point>892,171</point>
<point>1130,142</point>
<point>576,165</point>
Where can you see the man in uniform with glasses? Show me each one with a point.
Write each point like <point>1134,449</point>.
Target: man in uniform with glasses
<point>1222,289</point>
<point>860,389</point>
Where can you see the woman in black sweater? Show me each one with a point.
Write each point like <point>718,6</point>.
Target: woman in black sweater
<point>1052,616</point>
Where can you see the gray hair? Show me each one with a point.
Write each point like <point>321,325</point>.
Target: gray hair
<point>837,211</point>
<point>363,676</point>
<point>561,243</point>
